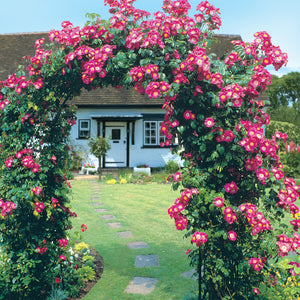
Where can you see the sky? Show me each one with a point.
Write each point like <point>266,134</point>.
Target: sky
<point>281,19</point>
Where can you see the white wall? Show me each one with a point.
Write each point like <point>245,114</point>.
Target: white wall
<point>154,157</point>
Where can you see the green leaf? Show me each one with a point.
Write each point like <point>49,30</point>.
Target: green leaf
<point>202,147</point>
<point>297,270</point>
<point>220,149</point>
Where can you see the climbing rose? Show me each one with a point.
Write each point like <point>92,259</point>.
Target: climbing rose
<point>177,176</point>
<point>181,223</point>
<point>209,122</point>
<point>256,291</point>
<point>231,187</point>
<point>256,263</point>
<point>232,235</point>
<point>63,242</point>
<point>219,202</point>
<point>199,238</point>
<point>83,227</point>
<point>39,206</point>
<point>36,190</point>
<point>57,280</point>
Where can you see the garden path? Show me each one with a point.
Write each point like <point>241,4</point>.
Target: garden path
<point>138,285</point>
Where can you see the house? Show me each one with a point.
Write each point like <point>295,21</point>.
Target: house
<point>130,120</point>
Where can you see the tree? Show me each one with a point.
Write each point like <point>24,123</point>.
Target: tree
<point>99,147</point>
<point>285,114</point>
<point>292,131</point>
<point>285,91</point>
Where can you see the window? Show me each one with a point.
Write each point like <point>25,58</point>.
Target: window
<point>116,134</point>
<point>84,129</point>
<point>152,135</point>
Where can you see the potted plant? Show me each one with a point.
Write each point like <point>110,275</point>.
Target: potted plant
<point>99,147</point>
<point>142,168</point>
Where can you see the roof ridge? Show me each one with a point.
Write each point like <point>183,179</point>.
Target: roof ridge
<point>25,33</point>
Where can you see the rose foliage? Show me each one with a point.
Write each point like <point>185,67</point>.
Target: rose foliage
<point>233,191</point>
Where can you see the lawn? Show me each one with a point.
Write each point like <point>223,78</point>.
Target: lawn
<point>142,209</point>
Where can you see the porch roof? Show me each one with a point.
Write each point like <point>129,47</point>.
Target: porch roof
<point>132,117</point>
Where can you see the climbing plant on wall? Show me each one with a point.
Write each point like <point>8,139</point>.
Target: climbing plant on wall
<point>233,194</point>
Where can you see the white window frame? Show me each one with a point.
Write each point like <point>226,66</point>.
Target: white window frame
<point>84,129</point>
<point>157,137</point>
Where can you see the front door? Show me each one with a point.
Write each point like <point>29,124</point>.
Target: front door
<point>116,155</point>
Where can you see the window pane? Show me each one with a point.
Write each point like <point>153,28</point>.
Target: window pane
<point>84,124</point>
<point>151,132</point>
<point>116,134</point>
<point>84,133</point>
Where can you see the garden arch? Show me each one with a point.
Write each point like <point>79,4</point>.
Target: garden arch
<point>231,171</point>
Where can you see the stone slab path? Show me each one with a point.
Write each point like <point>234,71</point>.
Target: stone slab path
<point>125,234</point>
<point>138,285</point>
<point>107,217</point>
<point>114,225</point>
<point>137,245</point>
<point>143,261</point>
<point>190,274</point>
<point>96,204</point>
<point>141,285</point>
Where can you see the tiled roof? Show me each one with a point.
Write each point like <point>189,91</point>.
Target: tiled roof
<point>222,43</point>
<point>108,96</point>
<point>13,47</point>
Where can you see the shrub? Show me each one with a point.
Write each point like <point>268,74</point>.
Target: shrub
<point>172,166</point>
<point>291,163</point>
<point>77,155</point>
<point>86,273</point>
<point>57,294</point>
<point>99,147</point>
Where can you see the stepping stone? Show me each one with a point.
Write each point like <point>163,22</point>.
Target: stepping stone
<point>125,234</point>
<point>146,261</point>
<point>95,199</point>
<point>137,245</point>
<point>107,217</point>
<point>190,274</point>
<point>100,210</point>
<point>114,225</point>
<point>141,285</point>
<point>96,204</point>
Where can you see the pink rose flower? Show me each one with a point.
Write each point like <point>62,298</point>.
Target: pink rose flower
<point>232,235</point>
<point>219,202</point>
<point>209,122</point>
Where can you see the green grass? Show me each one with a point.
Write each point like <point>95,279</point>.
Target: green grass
<point>141,209</point>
